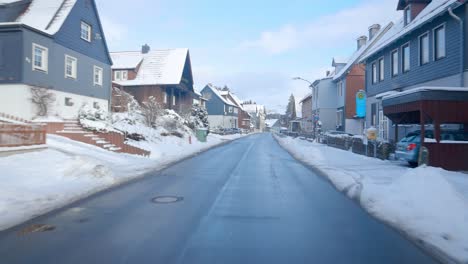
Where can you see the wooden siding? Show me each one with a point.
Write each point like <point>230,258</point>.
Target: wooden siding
<point>70,33</point>
<point>448,66</point>
<point>10,56</point>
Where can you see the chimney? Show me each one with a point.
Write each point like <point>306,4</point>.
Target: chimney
<point>145,49</point>
<point>373,31</point>
<point>361,41</point>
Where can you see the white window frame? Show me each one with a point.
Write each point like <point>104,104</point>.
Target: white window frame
<point>395,73</point>
<point>117,75</point>
<point>374,72</point>
<point>403,58</point>
<point>434,42</point>
<point>408,19</point>
<point>99,70</point>
<point>165,97</point>
<point>173,100</point>
<point>74,67</point>
<point>45,58</point>
<point>124,75</point>
<point>90,30</point>
<point>420,59</point>
<point>381,69</point>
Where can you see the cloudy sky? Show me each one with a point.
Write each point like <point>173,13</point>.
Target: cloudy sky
<point>254,47</point>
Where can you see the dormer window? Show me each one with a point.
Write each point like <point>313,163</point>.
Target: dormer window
<point>121,75</point>
<point>407,15</point>
<point>86,31</point>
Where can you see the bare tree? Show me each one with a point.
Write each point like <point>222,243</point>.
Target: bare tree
<point>43,99</point>
<point>151,110</point>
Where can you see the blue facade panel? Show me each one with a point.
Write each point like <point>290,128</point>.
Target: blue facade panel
<point>55,78</point>
<point>435,69</point>
<point>214,105</point>
<point>10,56</point>
<point>70,33</point>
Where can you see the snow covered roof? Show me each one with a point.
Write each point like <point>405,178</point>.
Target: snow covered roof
<point>270,122</point>
<point>424,89</point>
<point>309,95</point>
<point>126,60</point>
<point>399,30</point>
<point>219,95</point>
<point>45,15</point>
<point>158,67</point>
<point>359,53</point>
<point>232,98</point>
<point>253,108</point>
<point>339,60</point>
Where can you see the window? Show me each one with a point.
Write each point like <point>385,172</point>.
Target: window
<point>120,75</point>
<point>407,15</point>
<point>339,118</point>
<point>405,57</point>
<point>40,58</point>
<point>381,69</point>
<point>68,101</point>
<point>374,73</point>
<point>97,76</point>
<point>340,88</point>
<point>439,42</point>
<point>70,67</point>
<point>424,49</point>
<point>173,100</point>
<point>395,63</point>
<point>373,114</point>
<point>383,126</point>
<point>165,97</point>
<point>85,31</point>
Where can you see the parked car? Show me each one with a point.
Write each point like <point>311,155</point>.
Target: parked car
<point>408,147</point>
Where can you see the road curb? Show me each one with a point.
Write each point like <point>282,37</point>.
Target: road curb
<point>432,251</point>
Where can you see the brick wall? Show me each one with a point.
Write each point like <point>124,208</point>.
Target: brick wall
<point>355,81</point>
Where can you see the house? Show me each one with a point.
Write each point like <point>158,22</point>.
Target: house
<point>272,125</point>
<point>55,49</point>
<point>163,74</point>
<point>307,117</point>
<point>243,117</point>
<point>199,100</point>
<point>257,114</point>
<point>324,102</point>
<point>222,113</point>
<point>416,77</point>
<point>350,79</point>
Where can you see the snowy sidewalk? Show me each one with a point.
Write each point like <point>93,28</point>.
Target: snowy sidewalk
<point>35,183</point>
<point>429,204</point>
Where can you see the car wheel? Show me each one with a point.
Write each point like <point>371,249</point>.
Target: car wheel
<point>413,164</point>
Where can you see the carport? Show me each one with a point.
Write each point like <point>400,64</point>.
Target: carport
<point>433,106</point>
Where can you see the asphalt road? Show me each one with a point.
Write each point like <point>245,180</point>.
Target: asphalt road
<point>245,202</point>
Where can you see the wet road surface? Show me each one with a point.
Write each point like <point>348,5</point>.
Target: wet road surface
<point>245,202</point>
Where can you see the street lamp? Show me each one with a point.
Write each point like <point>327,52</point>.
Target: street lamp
<point>302,79</point>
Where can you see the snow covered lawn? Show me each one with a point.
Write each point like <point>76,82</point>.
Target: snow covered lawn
<point>34,183</point>
<point>428,204</point>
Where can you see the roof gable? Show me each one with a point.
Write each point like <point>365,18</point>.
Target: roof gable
<point>399,30</point>
<point>218,94</point>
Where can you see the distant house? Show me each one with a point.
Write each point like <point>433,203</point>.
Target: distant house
<point>324,102</point>
<point>350,80</point>
<point>243,116</point>
<point>307,116</point>
<point>257,114</point>
<point>272,125</point>
<point>222,112</point>
<point>57,45</point>
<point>416,79</point>
<point>199,100</point>
<point>163,74</point>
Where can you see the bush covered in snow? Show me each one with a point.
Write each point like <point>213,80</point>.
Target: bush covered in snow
<point>95,118</point>
<point>198,118</point>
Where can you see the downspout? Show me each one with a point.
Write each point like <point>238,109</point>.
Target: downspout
<point>462,46</point>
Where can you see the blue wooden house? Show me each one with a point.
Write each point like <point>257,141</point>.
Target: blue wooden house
<point>58,45</point>
<point>416,76</point>
<point>222,113</point>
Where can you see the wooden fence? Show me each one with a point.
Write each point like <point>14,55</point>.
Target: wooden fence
<point>12,135</point>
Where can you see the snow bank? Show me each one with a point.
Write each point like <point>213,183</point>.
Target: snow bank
<point>34,183</point>
<point>429,204</point>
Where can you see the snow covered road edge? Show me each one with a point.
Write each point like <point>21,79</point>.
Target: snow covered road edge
<point>381,188</point>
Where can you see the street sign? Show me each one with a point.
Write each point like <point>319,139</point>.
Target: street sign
<point>361,100</point>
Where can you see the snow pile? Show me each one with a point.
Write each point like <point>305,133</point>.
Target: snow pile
<point>95,118</point>
<point>69,170</point>
<point>428,204</point>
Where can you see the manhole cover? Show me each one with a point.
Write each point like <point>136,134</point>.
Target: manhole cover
<point>36,229</point>
<point>167,199</point>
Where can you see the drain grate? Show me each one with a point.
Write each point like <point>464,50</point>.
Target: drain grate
<point>36,229</point>
<point>166,199</point>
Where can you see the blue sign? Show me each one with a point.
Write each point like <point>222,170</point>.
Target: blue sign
<point>361,100</point>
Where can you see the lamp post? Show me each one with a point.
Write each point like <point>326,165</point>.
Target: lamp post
<point>311,85</point>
